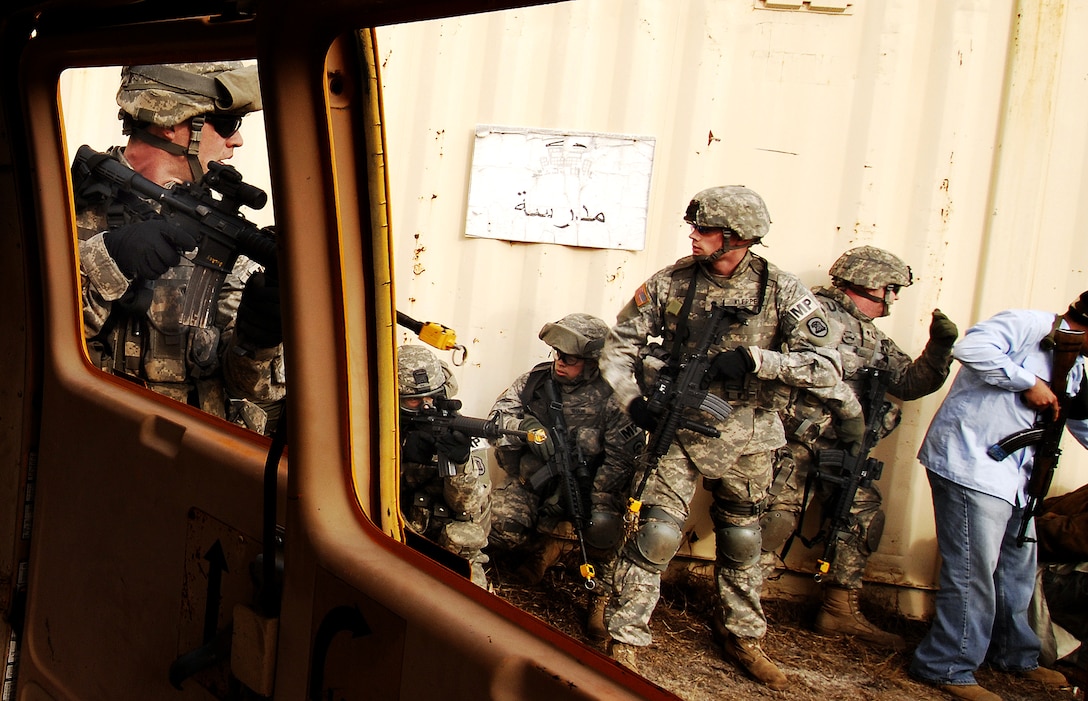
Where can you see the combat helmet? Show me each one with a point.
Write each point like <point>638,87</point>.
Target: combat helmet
<point>576,334</point>
<point>421,374</point>
<point>871,268</point>
<point>734,209</point>
<point>166,95</point>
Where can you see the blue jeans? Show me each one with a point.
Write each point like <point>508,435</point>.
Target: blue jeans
<point>986,583</point>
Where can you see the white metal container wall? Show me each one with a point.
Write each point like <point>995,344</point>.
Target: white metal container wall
<point>950,132</point>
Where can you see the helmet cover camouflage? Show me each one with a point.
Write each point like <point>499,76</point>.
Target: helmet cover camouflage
<point>169,94</point>
<point>576,334</point>
<point>421,374</point>
<point>871,268</point>
<point>731,207</point>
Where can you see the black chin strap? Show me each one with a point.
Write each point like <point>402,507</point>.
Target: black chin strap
<point>191,154</point>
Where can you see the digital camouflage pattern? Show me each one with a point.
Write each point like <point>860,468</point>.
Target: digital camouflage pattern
<point>602,433</point>
<point>810,425</point>
<point>730,207</point>
<point>203,367</point>
<point>452,511</point>
<point>738,463</point>
<point>871,268</point>
<point>576,334</point>
<point>169,94</point>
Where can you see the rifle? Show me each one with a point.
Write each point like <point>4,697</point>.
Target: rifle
<point>444,418</point>
<point>1045,434</point>
<point>436,335</point>
<point>848,472</point>
<point>565,460</point>
<point>222,233</point>
<point>680,387</point>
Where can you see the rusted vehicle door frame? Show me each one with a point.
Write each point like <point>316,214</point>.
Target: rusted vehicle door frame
<point>148,517</point>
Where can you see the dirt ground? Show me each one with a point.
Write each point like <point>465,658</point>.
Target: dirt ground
<point>820,668</point>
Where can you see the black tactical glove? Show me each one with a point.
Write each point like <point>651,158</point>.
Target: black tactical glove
<point>259,320</point>
<point>641,416</point>
<point>851,432</point>
<point>455,445</point>
<point>418,447</point>
<point>942,331</point>
<point>544,450</point>
<point>732,366</point>
<point>147,249</point>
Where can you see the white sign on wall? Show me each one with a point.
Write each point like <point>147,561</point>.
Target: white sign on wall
<point>570,188</point>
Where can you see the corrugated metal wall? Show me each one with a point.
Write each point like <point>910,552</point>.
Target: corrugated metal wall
<point>951,132</point>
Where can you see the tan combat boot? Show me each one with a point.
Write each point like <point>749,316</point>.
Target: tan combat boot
<point>625,654</point>
<point>970,692</point>
<point>595,627</point>
<point>543,557</point>
<point>840,615</point>
<point>748,653</point>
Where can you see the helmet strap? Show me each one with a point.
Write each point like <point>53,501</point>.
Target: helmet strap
<point>884,301</point>
<point>191,153</point>
<point>726,247</point>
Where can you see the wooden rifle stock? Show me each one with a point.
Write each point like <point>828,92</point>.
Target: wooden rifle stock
<point>1046,435</point>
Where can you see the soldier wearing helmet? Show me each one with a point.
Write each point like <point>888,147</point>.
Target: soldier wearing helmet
<point>530,508</point>
<point>452,510</point>
<point>770,310</point>
<point>866,280</point>
<point>178,118</point>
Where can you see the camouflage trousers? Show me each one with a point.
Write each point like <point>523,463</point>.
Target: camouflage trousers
<point>637,586</point>
<point>868,520</point>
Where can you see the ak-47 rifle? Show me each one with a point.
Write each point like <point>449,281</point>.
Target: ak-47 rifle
<point>434,334</point>
<point>444,417</point>
<point>679,387</point>
<point>222,233</point>
<point>1046,434</point>
<point>570,464</point>
<point>848,471</point>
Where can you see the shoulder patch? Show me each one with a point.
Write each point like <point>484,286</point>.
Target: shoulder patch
<point>642,297</point>
<point>817,327</point>
<point>802,308</point>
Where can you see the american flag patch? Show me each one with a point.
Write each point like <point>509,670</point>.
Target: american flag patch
<point>642,297</point>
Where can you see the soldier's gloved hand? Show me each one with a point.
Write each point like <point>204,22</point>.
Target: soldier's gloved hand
<point>851,432</point>
<point>147,249</point>
<point>418,447</point>
<point>942,330</point>
<point>259,321</point>
<point>455,445</point>
<point>641,416</point>
<point>732,366</point>
<point>546,450</point>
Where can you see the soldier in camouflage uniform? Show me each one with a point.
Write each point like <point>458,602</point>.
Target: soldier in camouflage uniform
<point>866,280</point>
<point>178,118</point>
<point>529,506</point>
<point>452,511</point>
<point>749,370</point>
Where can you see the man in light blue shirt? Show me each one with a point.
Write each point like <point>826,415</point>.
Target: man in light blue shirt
<point>986,579</point>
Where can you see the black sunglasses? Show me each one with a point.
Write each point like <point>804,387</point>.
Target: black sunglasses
<point>567,358</point>
<point>224,124</point>
<point>707,230</point>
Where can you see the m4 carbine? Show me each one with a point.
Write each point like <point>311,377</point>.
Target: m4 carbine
<point>210,210</point>
<point>445,418</point>
<point>850,470</point>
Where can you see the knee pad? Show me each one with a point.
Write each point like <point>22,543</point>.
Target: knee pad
<point>656,540</point>
<point>604,530</point>
<point>776,526</point>
<point>738,546</point>
<point>874,531</point>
